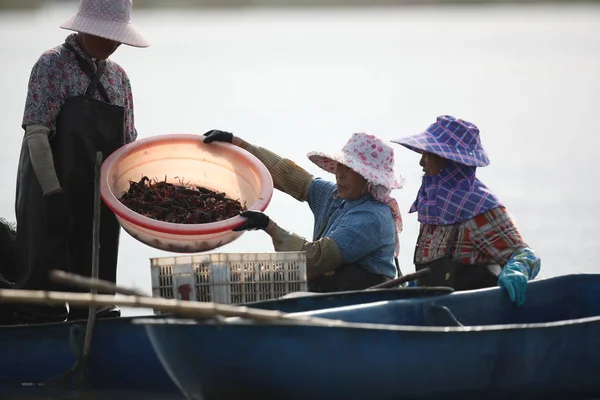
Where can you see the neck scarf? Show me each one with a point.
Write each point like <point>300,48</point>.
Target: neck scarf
<point>382,194</point>
<point>453,195</point>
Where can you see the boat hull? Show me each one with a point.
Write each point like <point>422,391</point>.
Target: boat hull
<point>121,356</point>
<point>532,354</point>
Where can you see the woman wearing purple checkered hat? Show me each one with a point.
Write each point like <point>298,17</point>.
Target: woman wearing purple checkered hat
<point>466,236</point>
<point>78,102</point>
<point>357,223</point>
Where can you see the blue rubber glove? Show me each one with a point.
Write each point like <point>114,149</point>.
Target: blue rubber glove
<point>522,266</point>
<point>514,278</point>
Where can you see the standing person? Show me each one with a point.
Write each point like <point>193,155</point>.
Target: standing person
<point>357,223</point>
<point>78,102</point>
<point>466,236</point>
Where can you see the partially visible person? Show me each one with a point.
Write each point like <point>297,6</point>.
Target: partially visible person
<point>78,102</point>
<point>355,240</point>
<point>466,236</point>
<point>8,235</point>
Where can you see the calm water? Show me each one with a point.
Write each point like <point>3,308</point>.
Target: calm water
<point>302,80</point>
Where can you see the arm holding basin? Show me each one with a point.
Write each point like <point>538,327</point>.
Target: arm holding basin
<point>288,176</point>
<point>322,255</point>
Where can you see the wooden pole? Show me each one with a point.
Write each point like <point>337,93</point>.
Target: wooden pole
<point>190,309</point>
<point>89,329</point>
<point>401,280</point>
<point>83,282</point>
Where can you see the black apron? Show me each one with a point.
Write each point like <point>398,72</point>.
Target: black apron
<point>451,273</point>
<point>84,126</point>
<point>345,277</point>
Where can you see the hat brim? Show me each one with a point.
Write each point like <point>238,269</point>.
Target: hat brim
<point>329,162</point>
<point>425,142</point>
<point>120,32</point>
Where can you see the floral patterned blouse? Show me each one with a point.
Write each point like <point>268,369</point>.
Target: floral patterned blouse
<point>57,77</point>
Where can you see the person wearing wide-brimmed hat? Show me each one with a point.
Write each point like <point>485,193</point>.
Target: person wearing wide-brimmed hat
<point>466,236</point>
<point>357,223</point>
<point>78,102</point>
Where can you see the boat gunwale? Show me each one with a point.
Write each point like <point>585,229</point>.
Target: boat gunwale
<point>367,326</point>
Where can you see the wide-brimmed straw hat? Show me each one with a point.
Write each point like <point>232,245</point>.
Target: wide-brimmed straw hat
<point>366,155</point>
<point>451,138</point>
<point>109,19</point>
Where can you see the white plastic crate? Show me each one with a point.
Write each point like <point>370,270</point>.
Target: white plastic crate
<point>229,278</point>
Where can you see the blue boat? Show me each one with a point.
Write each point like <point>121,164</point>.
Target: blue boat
<point>319,301</point>
<point>121,355</point>
<point>464,345</point>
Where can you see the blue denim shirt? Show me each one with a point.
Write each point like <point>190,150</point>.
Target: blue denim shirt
<point>363,229</point>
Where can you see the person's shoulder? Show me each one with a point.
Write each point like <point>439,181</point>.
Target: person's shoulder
<point>376,205</point>
<point>116,68</point>
<point>376,211</point>
<point>50,58</point>
<point>495,215</point>
<point>496,212</point>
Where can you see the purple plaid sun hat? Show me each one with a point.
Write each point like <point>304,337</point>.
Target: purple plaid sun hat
<point>450,138</point>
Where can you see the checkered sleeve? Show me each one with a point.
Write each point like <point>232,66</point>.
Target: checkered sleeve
<point>494,234</point>
<point>526,260</point>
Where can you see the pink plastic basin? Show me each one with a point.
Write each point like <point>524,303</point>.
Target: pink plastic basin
<point>221,167</point>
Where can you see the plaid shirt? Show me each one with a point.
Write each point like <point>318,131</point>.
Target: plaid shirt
<point>488,238</point>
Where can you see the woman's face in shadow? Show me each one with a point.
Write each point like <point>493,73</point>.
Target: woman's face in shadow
<point>351,185</point>
<point>432,164</point>
<point>97,47</point>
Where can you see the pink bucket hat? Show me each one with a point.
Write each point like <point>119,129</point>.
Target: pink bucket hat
<point>109,19</point>
<point>366,155</point>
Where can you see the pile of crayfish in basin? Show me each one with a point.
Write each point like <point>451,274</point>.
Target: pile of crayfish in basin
<point>179,204</point>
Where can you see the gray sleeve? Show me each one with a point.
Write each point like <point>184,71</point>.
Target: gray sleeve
<point>322,256</point>
<point>287,176</point>
<point>36,137</point>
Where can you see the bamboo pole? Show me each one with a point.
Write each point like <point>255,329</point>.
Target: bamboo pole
<point>398,281</point>
<point>89,329</point>
<point>190,309</point>
<point>83,282</point>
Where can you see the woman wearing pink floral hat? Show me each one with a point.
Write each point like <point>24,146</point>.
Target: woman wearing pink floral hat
<point>466,238</point>
<point>78,102</point>
<point>357,223</point>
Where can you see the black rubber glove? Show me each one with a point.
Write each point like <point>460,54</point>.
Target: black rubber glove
<point>58,213</point>
<point>218,136</point>
<point>255,220</point>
